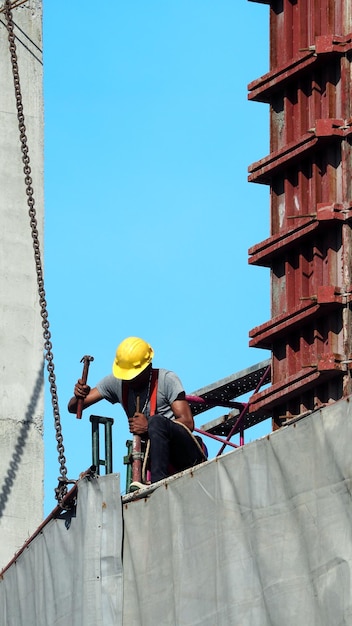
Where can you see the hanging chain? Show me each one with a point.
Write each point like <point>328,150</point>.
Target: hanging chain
<point>61,490</point>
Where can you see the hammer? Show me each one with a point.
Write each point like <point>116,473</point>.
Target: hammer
<point>86,360</point>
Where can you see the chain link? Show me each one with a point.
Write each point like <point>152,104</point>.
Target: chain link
<point>61,490</point>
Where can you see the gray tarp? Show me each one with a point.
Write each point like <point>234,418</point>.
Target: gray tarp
<point>262,537</point>
<point>259,537</point>
<point>71,574</point>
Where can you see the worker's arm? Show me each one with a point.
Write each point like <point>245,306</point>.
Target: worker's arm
<point>182,412</point>
<point>84,392</point>
<point>138,423</point>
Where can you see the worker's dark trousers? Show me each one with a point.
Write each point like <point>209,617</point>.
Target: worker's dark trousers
<point>170,445</point>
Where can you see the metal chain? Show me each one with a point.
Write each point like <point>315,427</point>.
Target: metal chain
<point>61,490</point>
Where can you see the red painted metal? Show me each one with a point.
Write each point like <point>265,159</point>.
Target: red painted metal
<point>309,172</point>
<point>216,438</point>
<point>238,425</point>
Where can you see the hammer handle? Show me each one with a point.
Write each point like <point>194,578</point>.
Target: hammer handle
<point>86,362</point>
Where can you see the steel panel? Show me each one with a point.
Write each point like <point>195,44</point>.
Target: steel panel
<point>309,171</point>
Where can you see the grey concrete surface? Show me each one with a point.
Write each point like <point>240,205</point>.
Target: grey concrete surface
<point>21,353</point>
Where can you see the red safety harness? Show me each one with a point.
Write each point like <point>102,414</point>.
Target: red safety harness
<point>152,393</point>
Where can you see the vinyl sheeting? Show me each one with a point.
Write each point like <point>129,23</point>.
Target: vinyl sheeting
<point>71,573</point>
<point>259,537</point>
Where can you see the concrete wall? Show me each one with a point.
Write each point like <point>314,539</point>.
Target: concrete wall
<point>21,354</point>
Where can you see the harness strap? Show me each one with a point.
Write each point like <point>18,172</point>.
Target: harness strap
<point>152,393</point>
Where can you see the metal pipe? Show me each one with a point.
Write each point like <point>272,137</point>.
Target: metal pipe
<point>95,442</point>
<point>108,446</point>
<point>205,433</point>
<point>137,453</point>
<point>239,421</point>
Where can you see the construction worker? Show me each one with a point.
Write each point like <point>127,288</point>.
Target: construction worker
<point>155,404</point>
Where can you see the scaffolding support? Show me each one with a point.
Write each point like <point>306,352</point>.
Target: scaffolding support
<point>107,422</point>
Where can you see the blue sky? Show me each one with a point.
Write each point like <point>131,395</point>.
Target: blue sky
<point>148,212</point>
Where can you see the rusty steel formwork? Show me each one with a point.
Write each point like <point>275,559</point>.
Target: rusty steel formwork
<point>308,169</point>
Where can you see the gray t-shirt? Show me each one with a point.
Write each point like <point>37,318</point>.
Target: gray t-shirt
<point>169,388</point>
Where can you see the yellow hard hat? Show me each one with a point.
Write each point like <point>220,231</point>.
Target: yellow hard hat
<point>133,355</point>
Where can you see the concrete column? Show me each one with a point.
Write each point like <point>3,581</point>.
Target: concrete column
<point>21,343</point>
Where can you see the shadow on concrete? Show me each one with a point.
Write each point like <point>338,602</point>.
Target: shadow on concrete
<point>22,437</point>
<point>26,42</point>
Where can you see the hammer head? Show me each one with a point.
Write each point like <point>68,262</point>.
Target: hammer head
<point>87,358</point>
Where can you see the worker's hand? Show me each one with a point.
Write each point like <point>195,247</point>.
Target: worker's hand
<point>81,390</point>
<point>138,424</point>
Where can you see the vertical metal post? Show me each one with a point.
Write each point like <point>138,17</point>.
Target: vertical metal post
<point>137,458</point>
<point>127,461</point>
<point>95,443</point>
<point>108,445</point>
<point>107,422</point>
<point>137,455</point>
